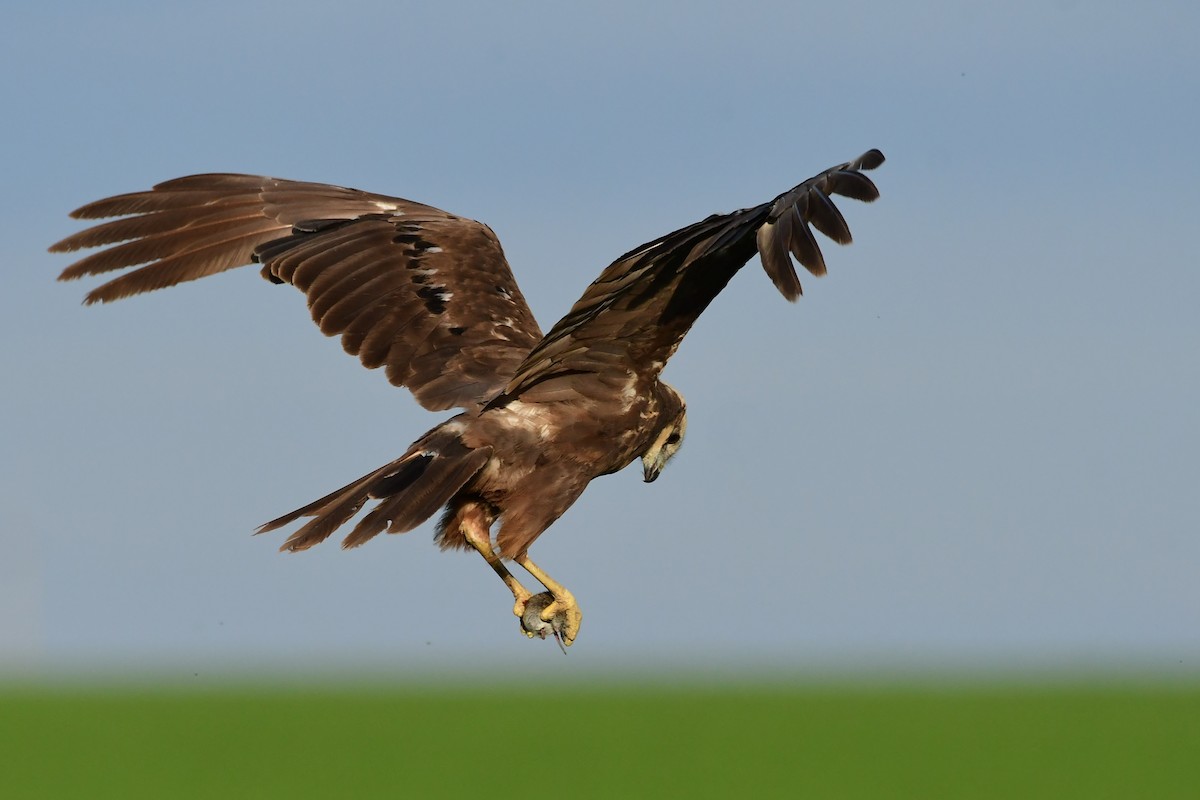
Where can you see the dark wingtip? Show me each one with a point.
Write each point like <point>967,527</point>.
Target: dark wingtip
<point>868,160</point>
<point>786,235</point>
<point>773,240</point>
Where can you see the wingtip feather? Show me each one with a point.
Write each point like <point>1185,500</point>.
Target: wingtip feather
<point>868,160</point>
<point>773,252</point>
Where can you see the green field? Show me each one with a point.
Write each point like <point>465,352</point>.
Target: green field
<point>617,741</point>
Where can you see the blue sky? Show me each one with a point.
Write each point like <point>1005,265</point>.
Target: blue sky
<point>974,442</point>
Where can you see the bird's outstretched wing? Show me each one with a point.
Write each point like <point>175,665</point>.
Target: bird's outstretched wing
<point>424,293</point>
<point>632,318</point>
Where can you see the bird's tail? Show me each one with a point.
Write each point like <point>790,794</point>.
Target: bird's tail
<point>411,489</point>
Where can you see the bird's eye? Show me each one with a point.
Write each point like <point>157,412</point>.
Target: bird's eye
<point>674,438</point>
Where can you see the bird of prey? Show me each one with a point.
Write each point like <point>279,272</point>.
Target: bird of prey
<point>430,297</point>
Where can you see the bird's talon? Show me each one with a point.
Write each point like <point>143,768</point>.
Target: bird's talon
<point>566,609</point>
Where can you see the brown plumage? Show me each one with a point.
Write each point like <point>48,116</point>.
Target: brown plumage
<point>430,297</point>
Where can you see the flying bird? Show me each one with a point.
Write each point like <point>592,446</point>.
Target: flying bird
<point>429,297</point>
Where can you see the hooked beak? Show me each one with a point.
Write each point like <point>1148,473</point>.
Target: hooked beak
<point>650,470</point>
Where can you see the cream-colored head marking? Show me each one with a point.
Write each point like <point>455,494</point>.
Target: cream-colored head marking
<point>666,444</point>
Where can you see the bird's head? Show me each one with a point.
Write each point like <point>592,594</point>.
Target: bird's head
<point>669,438</point>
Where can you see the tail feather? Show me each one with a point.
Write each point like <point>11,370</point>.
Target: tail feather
<point>336,509</point>
<point>411,490</point>
<point>419,500</point>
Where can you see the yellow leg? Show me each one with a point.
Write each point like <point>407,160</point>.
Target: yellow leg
<point>481,541</point>
<point>563,603</point>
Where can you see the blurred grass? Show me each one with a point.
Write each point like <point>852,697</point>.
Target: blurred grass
<point>615,741</point>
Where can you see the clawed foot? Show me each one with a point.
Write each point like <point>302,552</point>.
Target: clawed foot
<point>544,614</point>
